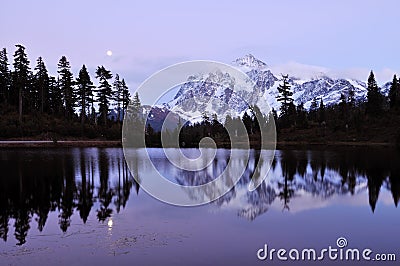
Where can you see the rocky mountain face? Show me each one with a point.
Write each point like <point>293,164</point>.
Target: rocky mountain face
<point>216,92</point>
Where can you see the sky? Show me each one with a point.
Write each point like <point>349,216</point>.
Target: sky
<point>342,37</point>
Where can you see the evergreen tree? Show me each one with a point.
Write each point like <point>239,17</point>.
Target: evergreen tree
<point>135,116</point>
<point>55,97</point>
<point>214,119</point>
<point>42,86</point>
<point>104,95</point>
<point>343,107</point>
<point>5,77</point>
<point>66,84</point>
<point>259,120</point>
<point>125,97</point>
<point>84,92</point>
<point>351,98</point>
<point>247,121</point>
<point>301,118</point>
<point>228,122</point>
<point>343,100</point>
<point>374,96</point>
<point>285,96</point>
<point>136,106</point>
<point>288,109</point>
<point>274,114</point>
<point>313,109</point>
<point>321,111</point>
<point>21,77</point>
<point>118,96</point>
<point>394,93</point>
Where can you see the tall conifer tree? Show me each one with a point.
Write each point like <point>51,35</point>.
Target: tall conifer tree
<point>21,77</point>
<point>66,84</point>
<point>104,95</point>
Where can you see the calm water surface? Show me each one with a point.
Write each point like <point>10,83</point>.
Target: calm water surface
<point>81,206</point>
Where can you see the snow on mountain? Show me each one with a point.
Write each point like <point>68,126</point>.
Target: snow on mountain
<point>249,62</point>
<point>210,93</point>
<point>385,88</point>
<point>159,116</point>
<point>218,93</point>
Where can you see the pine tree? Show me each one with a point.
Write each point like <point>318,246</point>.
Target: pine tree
<point>247,121</point>
<point>55,97</point>
<point>285,96</point>
<point>214,119</point>
<point>374,96</point>
<point>84,91</point>
<point>301,118</point>
<point>274,114</point>
<point>136,105</point>
<point>42,86</point>
<point>343,113</point>
<point>228,122</point>
<point>126,95</point>
<point>5,77</point>
<point>118,95</point>
<point>288,109</point>
<point>135,117</point>
<point>21,77</point>
<point>104,95</point>
<point>313,109</point>
<point>321,111</point>
<point>259,120</point>
<point>66,84</point>
<point>351,98</point>
<point>394,93</point>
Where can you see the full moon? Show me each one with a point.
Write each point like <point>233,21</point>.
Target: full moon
<point>109,53</point>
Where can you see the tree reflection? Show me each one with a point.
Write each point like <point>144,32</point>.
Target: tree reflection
<point>85,188</point>
<point>105,193</point>
<point>35,183</point>
<point>289,167</point>
<point>68,194</point>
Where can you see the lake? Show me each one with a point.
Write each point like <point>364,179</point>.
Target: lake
<point>82,206</point>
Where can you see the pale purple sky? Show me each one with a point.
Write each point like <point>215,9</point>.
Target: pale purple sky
<point>349,37</point>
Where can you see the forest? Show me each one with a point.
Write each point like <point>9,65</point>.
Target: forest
<point>37,106</point>
<point>375,121</point>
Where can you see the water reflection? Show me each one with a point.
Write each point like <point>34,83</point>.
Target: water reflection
<point>319,175</point>
<point>34,183</point>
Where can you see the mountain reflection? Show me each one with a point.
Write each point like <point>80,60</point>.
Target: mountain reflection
<point>319,175</point>
<point>35,183</point>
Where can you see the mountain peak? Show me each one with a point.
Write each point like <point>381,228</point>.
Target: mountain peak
<point>250,61</point>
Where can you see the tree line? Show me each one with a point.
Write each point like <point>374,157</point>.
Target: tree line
<point>36,104</point>
<point>29,195</point>
<point>374,119</point>
<point>28,95</point>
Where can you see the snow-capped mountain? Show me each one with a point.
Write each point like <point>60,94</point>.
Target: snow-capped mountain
<point>218,93</point>
<point>211,93</point>
<point>317,183</point>
<point>249,61</point>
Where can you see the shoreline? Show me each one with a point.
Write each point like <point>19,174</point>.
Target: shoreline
<point>118,143</point>
<point>59,144</point>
